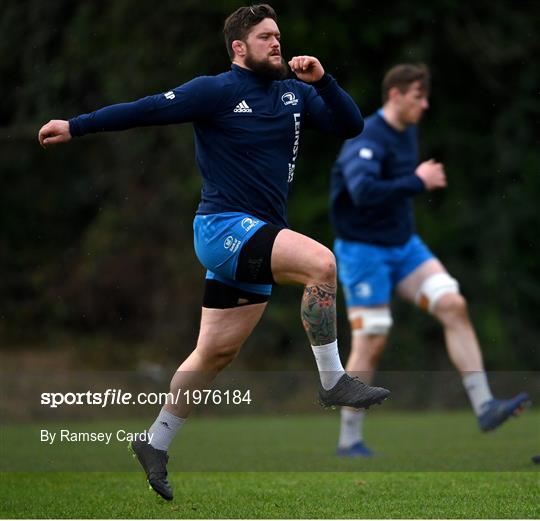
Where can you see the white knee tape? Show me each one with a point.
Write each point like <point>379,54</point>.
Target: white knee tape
<point>433,288</point>
<point>376,321</point>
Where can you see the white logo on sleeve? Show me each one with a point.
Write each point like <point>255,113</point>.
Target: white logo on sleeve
<point>289,98</point>
<point>242,107</point>
<point>169,95</point>
<point>366,153</point>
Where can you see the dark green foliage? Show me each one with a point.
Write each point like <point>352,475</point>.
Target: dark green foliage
<point>96,235</point>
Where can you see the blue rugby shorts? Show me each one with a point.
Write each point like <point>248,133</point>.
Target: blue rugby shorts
<point>219,239</point>
<point>369,272</point>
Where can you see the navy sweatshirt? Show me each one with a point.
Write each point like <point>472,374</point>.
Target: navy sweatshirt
<point>373,181</point>
<point>247,133</point>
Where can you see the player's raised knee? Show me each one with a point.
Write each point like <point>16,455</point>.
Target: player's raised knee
<point>324,266</point>
<point>434,289</point>
<point>451,306</point>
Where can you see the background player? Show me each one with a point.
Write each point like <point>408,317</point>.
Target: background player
<point>373,181</point>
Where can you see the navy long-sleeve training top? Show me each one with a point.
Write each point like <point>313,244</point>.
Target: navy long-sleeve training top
<point>247,133</point>
<point>373,181</point>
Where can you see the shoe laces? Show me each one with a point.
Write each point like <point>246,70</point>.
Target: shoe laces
<point>357,378</point>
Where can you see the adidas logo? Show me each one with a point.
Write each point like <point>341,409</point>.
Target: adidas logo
<point>242,107</point>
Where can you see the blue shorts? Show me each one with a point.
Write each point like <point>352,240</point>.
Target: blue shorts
<point>369,273</point>
<point>218,240</point>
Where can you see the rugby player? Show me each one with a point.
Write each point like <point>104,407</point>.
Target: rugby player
<point>374,179</point>
<point>248,123</point>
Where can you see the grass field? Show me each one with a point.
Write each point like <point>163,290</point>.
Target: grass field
<point>434,465</point>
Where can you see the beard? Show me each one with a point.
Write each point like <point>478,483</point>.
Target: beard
<point>265,69</point>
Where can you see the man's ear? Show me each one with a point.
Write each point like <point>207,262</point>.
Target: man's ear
<point>239,48</point>
<point>393,93</point>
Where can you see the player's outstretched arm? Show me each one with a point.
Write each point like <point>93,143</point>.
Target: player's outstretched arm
<point>196,99</point>
<point>307,68</point>
<point>54,132</point>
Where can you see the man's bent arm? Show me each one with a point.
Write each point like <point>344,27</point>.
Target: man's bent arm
<point>367,190</point>
<point>362,164</point>
<point>332,110</point>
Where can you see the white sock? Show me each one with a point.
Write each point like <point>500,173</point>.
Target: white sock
<point>164,429</point>
<point>328,363</point>
<point>352,423</point>
<point>477,388</point>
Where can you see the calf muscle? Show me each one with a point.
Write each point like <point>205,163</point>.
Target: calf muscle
<point>318,311</point>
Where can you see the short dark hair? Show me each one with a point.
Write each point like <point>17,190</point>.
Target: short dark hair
<point>238,24</point>
<point>403,75</point>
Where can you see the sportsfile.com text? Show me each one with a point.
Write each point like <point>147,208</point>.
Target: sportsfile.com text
<point>119,397</point>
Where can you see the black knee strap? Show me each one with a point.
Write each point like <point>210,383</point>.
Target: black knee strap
<point>218,295</point>
<point>255,259</point>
